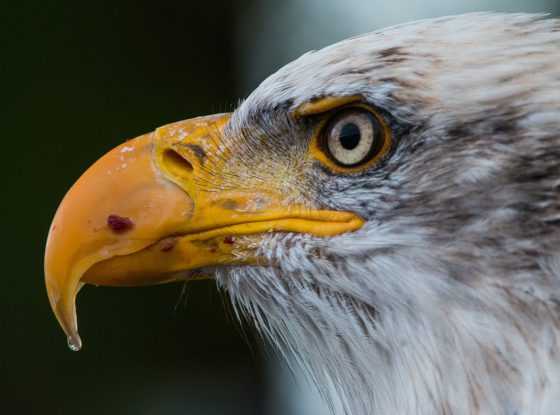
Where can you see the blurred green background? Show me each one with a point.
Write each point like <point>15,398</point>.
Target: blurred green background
<point>79,78</point>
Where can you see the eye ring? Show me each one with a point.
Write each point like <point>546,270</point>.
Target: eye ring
<point>352,139</point>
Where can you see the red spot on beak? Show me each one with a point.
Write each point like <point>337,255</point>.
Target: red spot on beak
<point>167,244</point>
<point>119,224</point>
<point>229,240</point>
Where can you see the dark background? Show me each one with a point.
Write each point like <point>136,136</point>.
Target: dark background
<point>78,78</point>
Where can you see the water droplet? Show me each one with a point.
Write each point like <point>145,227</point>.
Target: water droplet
<point>74,342</point>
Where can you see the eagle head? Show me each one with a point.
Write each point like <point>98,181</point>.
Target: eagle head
<point>386,211</point>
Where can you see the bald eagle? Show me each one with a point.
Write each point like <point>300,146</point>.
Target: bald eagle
<point>385,210</point>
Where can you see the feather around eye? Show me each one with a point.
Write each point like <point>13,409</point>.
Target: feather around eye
<point>351,140</point>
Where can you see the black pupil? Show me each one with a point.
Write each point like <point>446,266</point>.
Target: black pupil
<point>350,136</point>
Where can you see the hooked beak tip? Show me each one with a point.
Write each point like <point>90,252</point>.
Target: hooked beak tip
<point>64,308</point>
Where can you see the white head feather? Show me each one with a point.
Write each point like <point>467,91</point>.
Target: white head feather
<point>447,300</point>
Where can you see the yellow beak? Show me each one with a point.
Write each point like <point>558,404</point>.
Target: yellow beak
<point>155,208</point>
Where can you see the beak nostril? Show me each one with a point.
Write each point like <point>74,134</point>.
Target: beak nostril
<point>176,163</point>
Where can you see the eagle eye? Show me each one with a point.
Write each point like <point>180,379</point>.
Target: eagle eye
<point>351,139</point>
